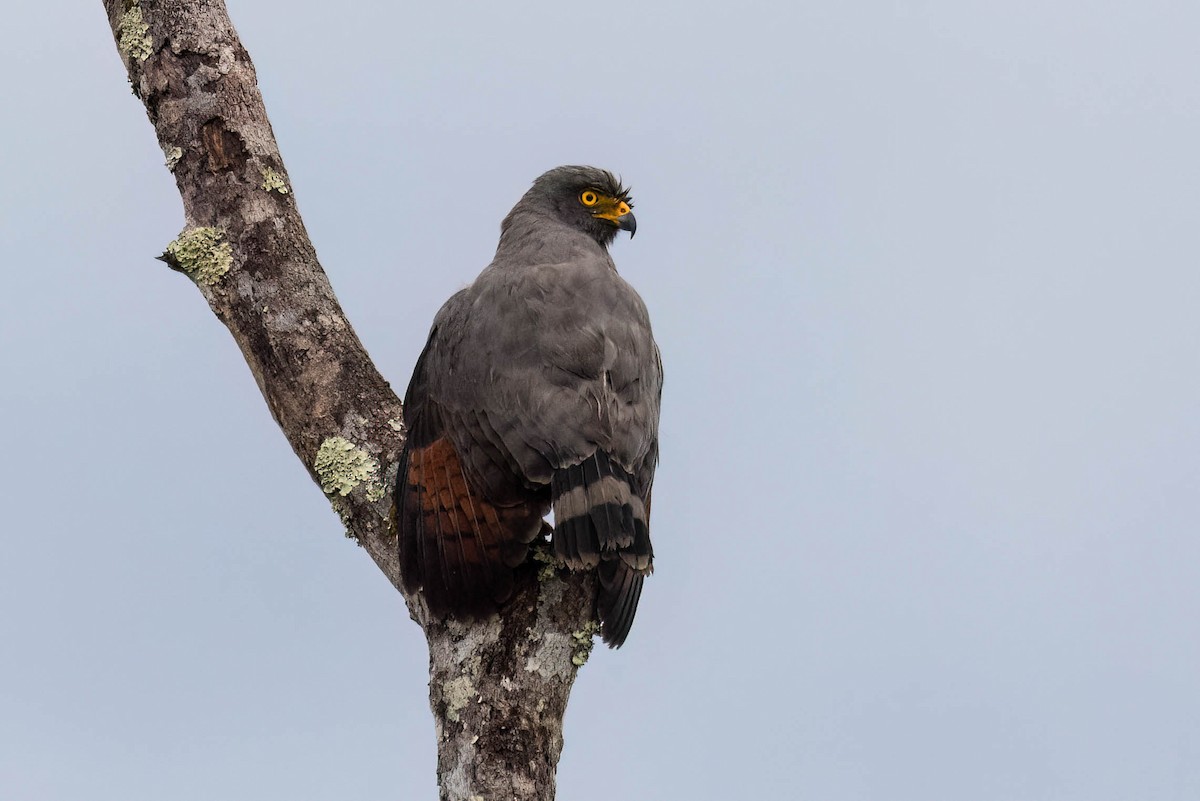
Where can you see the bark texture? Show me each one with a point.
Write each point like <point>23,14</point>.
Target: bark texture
<point>498,687</point>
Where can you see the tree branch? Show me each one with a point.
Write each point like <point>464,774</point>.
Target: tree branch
<point>499,687</point>
<point>246,248</point>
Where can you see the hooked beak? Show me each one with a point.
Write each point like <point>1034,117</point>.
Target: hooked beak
<point>619,214</point>
<point>627,222</point>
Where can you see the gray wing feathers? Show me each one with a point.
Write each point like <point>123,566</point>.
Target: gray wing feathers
<point>548,379</point>
<point>562,362</point>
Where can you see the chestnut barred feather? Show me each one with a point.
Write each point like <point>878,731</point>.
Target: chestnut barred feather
<point>458,547</point>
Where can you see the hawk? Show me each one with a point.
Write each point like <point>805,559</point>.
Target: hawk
<point>538,390</point>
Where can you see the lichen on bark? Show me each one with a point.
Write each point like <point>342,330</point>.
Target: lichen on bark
<point>134,35</point>
<point>273,181</point>
<point>341,466</point>
<point>202,254</point>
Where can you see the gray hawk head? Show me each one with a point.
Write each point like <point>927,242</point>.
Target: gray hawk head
<point>586,198</point>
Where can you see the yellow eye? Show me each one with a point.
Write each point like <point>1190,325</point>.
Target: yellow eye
<point>589,198</point>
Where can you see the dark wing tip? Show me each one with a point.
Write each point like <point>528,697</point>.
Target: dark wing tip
<point>620,589</point>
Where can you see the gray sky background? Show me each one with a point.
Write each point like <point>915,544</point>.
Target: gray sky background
<point>925,280</point>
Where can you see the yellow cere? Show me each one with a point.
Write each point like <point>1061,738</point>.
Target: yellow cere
<point>611,209</point>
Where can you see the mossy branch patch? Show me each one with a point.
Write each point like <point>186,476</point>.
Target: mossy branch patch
<point>202,253</point>
<point>341,466</point>
<point>135,41</point>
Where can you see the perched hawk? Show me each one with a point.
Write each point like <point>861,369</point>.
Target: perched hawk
<point>538,389</point>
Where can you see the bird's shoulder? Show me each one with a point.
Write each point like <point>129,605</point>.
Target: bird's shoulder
<point>577,316</point>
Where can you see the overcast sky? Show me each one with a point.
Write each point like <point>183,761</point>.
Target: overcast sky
<point>925,280</point>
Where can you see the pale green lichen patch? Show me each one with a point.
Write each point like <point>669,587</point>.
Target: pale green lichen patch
<point>458,693</point>
<point>395,424</point>
<point>342,508</point>
<point>173,154</point>
<point>375,490</point>
<point>273,181</point>
<point>201,253</point>
<point>549,568</point>
<point>134,40</point>
<point>582,643</point>
<point>341,466</point>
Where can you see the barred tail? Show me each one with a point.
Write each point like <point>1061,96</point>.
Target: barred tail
<point>600,521</point>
